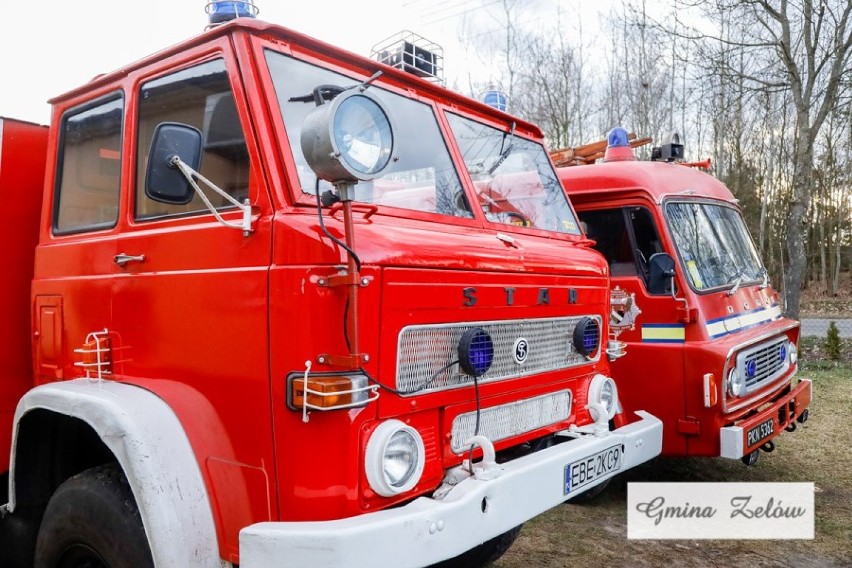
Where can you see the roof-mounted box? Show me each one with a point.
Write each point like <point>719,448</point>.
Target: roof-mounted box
<point>411,53</point>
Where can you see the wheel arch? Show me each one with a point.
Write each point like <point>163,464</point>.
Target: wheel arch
<point>63,428</point>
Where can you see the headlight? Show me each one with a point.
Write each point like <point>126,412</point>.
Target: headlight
<point>603,390</point>
<point>792,352</point>
<point>394,459</point>
<point>736,383</point>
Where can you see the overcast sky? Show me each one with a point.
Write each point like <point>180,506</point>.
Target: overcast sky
<point>48,47</point>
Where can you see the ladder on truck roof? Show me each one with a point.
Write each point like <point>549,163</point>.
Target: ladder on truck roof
<point>589,153</point>
<point>593,151</point>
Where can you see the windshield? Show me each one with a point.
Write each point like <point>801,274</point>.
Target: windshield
<point>422,179</point>
<point>714,245</point>
<point>513,178</point>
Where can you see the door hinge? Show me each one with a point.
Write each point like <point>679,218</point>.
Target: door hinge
<point>689,426</point>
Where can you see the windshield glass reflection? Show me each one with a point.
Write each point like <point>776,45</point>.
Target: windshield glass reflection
<point>714,245</point>
<point>513,178</point>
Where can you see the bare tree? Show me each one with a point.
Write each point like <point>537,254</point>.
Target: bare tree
<point>805,47</point>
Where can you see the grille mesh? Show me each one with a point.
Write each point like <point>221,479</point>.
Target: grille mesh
<point>425,350</point>
<point>768,359</point>
<point>501,422</point>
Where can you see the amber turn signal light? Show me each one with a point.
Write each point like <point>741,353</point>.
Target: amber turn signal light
<point>329,392</point>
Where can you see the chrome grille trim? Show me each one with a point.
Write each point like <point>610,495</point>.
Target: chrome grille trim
<point>507,420</point>
<point>769,365</point>
<point>424,350</point>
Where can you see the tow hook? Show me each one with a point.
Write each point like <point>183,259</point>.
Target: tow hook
<point>751,457</point>
<point>488,468</point>
<point>768,446</point>
<point>803,417</point>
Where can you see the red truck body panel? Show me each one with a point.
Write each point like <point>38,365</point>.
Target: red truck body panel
<point>23,151</point>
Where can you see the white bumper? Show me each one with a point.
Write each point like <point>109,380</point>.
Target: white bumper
<point>427,530</point>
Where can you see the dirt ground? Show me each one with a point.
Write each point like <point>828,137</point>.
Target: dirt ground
<point>595,534</point>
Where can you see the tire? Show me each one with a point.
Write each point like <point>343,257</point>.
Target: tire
<point>485,553</point>
<point>589,495</point>
<point>92,521</point>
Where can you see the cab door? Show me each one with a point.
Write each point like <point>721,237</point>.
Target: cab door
<point>651,375</point>
<point>190,302</point>
<point>75,260</point>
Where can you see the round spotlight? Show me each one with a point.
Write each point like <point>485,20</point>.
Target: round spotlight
<point>349,139</point>
<point>587,337</point>
<point>394,458</point>
<point>794,353</point>
<point>603,390</point>
<point>476,352</point>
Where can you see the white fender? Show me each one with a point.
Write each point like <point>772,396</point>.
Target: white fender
<point>152,448</point>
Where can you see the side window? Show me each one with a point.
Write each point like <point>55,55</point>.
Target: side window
<point>89,176</point>
<point>607,228</point>
<point>200,96</point>
<point>627,237</point>
<point>645,237</point>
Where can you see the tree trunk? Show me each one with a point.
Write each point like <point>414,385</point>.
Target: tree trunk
<point>797,220</point>
<point>821,245</point>
<point>838,243</point>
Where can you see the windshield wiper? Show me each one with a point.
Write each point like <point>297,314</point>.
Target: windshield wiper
<point>737,282</point>
<point>504,152</point>
<point>740,277</point>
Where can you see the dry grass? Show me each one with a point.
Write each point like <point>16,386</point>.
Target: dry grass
<point>595,534</point>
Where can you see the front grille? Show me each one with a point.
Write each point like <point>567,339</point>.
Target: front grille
<point>426,352</point>
<point>764,362</point>
<point>507,420</point>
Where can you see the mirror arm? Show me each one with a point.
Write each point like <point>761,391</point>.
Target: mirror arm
<point>676,299</point>
<point>190,174</point>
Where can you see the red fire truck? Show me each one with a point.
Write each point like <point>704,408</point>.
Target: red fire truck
<point>270,303</point>
<point>708,350</point>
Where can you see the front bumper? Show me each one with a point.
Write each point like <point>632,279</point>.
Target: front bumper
<point>427,530</point>
<point>784,411</point>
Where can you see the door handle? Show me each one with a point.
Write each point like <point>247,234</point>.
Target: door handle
<point>121,259</point>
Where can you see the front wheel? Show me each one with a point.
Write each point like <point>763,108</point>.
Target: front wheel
<point>92,521</point>
<point>485,553</point>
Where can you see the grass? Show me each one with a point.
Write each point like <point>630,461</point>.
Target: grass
<point>595,534</point>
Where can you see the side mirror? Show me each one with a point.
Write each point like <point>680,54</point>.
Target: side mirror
<point>164,182</point>
<point>661,272</point>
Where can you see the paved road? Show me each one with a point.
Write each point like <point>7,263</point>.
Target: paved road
<point>819,326</point>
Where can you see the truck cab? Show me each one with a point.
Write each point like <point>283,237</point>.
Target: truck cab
<point>707,346</point>
<point>292,306</point>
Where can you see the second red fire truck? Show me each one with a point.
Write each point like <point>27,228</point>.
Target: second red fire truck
<point>708,349</point>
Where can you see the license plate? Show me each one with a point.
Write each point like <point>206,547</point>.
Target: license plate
<point>759,432</point>
<point>587,470</point>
